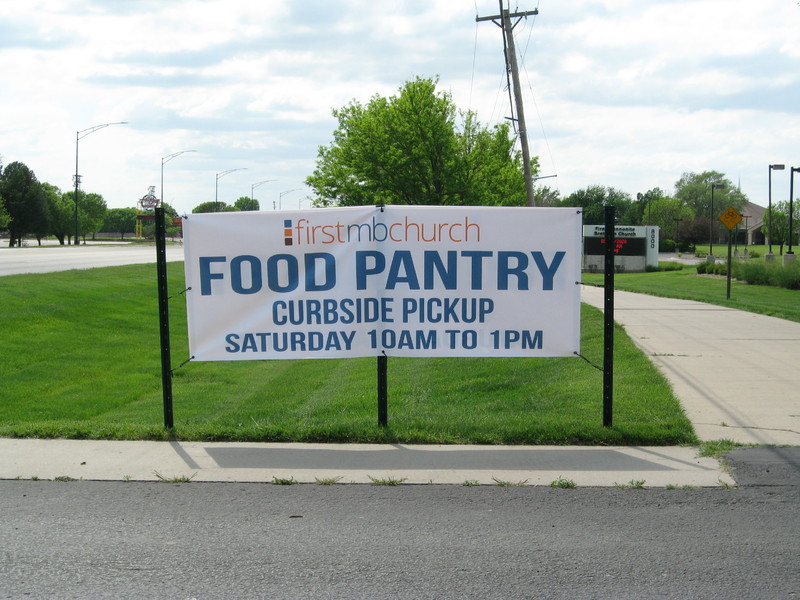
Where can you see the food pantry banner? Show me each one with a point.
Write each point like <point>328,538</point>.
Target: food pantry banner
<point>407,281</point>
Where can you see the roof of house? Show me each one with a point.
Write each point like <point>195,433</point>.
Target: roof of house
<point>755,214</point>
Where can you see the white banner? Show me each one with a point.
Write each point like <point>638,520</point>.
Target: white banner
<point>404,281</point>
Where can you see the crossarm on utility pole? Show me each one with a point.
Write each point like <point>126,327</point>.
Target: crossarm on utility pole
<point>527,13</point>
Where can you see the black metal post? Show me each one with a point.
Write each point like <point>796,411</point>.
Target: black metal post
<point>608,319</point>
<point>769,206</point>
<point>383,391</point>
<point>730,265</point>
<point>163,316</point>
<point>791,206</point>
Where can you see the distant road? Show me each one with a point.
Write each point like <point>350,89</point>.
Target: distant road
<point>49,258</point>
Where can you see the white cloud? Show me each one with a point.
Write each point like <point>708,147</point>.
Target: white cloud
<point>618,92</point>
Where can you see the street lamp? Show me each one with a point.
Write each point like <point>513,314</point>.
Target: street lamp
<point>78,137</point>
<point>791,205</point>
<point>746,232</point>
<point>282,194</point>
<point>714,186</point>
<point>255,185</point>
<point>216,184</point>
<point>769,209</point>
<point>164,160</point>
<point>677,221</point>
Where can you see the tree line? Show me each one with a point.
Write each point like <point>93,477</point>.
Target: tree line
<point>414,147</point>
<point>29,208</point>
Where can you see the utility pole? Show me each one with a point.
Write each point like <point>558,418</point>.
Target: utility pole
<point>503,20</point>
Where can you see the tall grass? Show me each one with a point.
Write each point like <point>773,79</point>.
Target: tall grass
<point>757,272</point>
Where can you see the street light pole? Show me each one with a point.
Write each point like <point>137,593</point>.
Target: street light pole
<point>746,231</point>
<point>78,137</point>
<point>164,160</point>
<point>282,194</point>
<point>216,185</point>
<point>255,185</point>
<point>769,205</point>
<point>791,207</point>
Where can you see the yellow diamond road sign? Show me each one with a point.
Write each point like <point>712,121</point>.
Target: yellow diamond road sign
<point>730,218</point>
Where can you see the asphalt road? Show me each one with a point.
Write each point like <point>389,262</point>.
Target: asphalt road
<point>83,539</point>
<point>49,258</point>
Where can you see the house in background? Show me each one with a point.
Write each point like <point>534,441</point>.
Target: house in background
<point>749,230</point>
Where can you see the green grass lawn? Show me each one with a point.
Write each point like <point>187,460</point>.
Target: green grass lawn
<point>759,250</point>
<point>80,358</point>
<point>688,285</point>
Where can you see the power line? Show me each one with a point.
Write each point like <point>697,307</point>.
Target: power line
<point>503,20</point>
<point>474,57</point>
<point>535,103</point>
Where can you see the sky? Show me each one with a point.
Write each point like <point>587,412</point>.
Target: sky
<point>620,93</point>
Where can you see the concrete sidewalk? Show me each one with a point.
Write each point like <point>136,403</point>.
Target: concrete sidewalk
<point>357,463</point>
<point>737,374</point>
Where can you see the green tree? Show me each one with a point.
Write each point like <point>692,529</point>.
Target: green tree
<point>669,214</point>
<point>246,203</point>
<point>407,149</point>
<point>24,201</point>
<point>644,204</point>
<point>780,224</point>
<point>209,207</point>
<point>694,231</point>
<point>595,198</point>
<point>62,213</point>
<point>491,171</point>
<point>120,220</point>
<point>92,209</point>
<point>52,197</point>
<point>694,191</point>
<point>5,218</point>
<point>546,196</point>
<point>68,199</point>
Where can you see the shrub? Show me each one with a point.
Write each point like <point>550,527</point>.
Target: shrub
<point>667,245</point>
<point>721,268</point>
<point>758,273</point>
<point>670,266</point>
<point>664,266</point>
<point>753,272</point>
<point>788,276</point>
<point>717,268</point>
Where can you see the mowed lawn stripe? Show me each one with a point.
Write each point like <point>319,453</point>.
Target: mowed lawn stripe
<point>80,358</point>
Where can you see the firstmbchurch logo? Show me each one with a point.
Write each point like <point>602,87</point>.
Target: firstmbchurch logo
<point>303,232</point>
<point>287,232</point>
